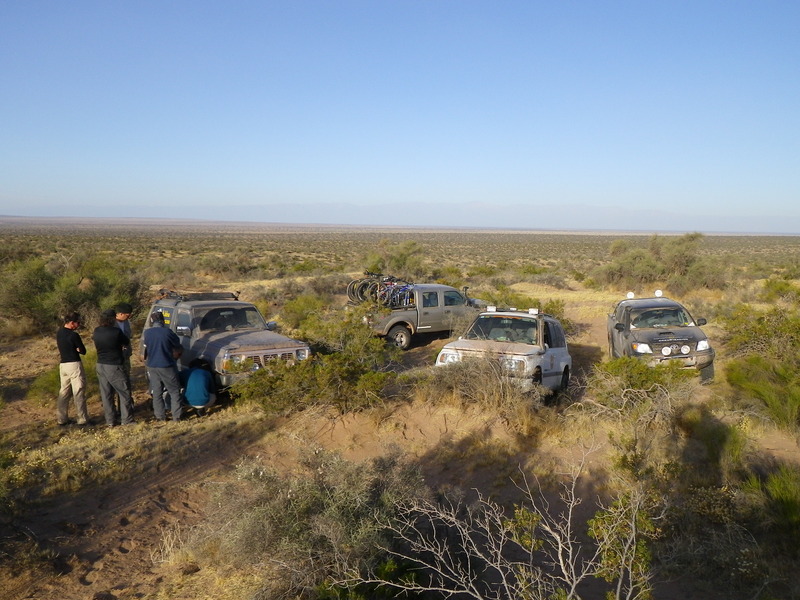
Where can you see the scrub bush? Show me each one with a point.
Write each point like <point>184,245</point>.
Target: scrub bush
<point>299,530</point>
<point>351,368</point>
<point>774,384</point>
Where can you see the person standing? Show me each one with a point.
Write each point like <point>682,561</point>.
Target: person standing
<point>161,348</point>
<point>111,343</point>
<point>71,372</point>
<point>123,312</point>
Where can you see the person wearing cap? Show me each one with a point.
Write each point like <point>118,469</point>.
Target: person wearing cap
<point>70,370</point>
<point>110,343</point>
<point>161,348</point>
<point>123,312</point>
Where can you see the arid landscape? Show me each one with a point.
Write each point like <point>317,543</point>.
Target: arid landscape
<point>176,511</point>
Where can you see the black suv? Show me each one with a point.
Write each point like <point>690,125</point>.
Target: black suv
<point>230,334</point>
<point>658,330</point>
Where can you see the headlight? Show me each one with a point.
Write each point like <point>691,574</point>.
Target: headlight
<point>641,348</point>
<point>513,365</point>
<point>703,345</point>
<point>302,354</point>
<point>447,357</point>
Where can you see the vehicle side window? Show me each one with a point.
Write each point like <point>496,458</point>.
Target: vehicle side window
<point>554,335</point>
<point>453,299</point>
<point>430,299</point>
<point>620,316</point>
<point>167,312</point>
<point>183,319</point>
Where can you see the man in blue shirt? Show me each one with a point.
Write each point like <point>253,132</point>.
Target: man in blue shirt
<point>198,386</point>
<point>161,348</point>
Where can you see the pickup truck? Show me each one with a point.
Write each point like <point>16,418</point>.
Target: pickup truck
<point>660,330</point>
<point>431,308</point>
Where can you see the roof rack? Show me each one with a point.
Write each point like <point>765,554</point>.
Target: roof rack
<point>164,293</point>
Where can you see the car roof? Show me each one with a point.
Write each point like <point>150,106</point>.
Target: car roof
<point>201,303</point>
<point>658,302</point>
<point>434,287</point>
<point>514,313</point>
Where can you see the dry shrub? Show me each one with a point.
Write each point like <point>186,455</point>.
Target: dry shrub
<point>298,530</point>
<point>483,382</point>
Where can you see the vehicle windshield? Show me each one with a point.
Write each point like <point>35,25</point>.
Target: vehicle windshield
<point>661,317</point>
<point>230,318</point>
<point>520,330</point>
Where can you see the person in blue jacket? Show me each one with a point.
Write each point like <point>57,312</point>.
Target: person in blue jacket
<point>161,349</point>
<point>198,386</point>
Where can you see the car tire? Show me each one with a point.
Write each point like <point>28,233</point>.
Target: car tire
<point>564,381</point>
<point>707,374</point>
<point>400,336</point>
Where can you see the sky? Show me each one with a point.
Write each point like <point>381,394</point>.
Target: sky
<point>559,114</point>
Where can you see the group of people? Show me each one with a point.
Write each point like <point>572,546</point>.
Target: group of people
<point>161,349</point>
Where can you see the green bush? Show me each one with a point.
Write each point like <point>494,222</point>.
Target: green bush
<point>350,370</point>
<point>779,289</point>
<point>44,292</point>
<point>612,379</point>
<point>775,384</point>
<point>675,261</point>
<point>297,310</point>
<point>326,517</point>
<point>773,333</point>
<point>781,494</point>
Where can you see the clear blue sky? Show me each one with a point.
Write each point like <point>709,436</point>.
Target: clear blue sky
<point>370,111</point>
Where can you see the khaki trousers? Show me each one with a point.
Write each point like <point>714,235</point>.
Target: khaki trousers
<point>73,383</point>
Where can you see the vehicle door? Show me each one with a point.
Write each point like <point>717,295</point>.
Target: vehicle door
<point>455,309</point>
<point>556,355</point>
<point>618,339</point>
<point>429,310</point>
<point>184,327</point>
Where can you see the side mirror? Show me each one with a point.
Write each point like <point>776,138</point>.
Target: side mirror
<point>272,325</point>
<point>701,321</point>
<point>619,327</point>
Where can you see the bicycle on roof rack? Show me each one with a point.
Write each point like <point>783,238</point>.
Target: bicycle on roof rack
<point>386,290</point>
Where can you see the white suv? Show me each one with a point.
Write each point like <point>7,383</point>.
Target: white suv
<point>531,346</point>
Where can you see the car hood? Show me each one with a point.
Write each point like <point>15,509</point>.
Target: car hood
<point>492,347</point>
<point>668,334</point>
<point>247,340</point>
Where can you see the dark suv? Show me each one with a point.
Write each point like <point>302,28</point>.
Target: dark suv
<point>659,330</point>
<point>230,334</point>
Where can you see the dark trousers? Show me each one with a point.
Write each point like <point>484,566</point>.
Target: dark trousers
<point>165,379</point>
<point>111,378</point>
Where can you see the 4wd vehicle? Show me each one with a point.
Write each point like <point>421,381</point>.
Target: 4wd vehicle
<point>531,346</point>
<point>230,334</point>
<point>658,330</point>
<point>429,308</point>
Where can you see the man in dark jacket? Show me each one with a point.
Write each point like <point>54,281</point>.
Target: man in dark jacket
<point>111,343</point>
<point>122,319</point>
<point>161,347</point>
<point>71,372</point>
